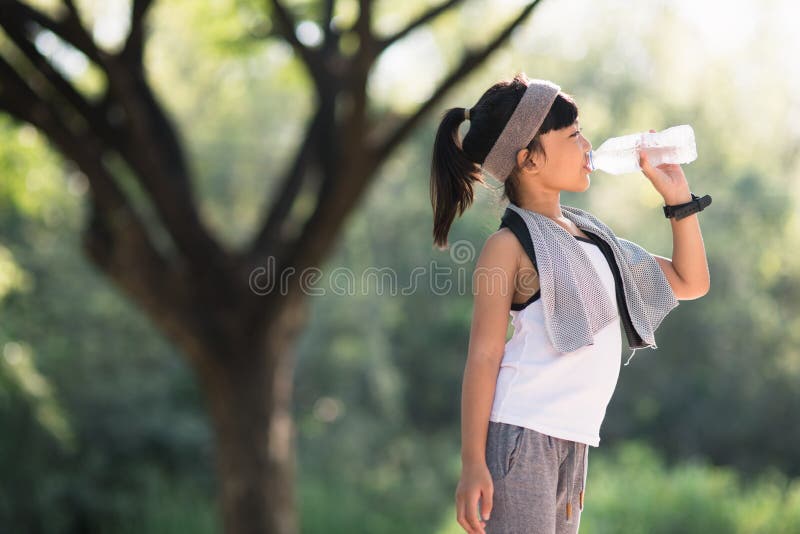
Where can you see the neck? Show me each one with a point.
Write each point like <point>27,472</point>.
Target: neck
<point>544,203</point>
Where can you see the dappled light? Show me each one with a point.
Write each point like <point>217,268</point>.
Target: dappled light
<point>220,309</point>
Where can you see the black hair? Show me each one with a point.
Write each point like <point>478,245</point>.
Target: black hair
<point>455,165</point>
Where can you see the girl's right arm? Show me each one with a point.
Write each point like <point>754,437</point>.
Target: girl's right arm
<point>493,286</point>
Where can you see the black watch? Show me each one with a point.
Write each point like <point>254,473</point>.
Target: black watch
<point>680,211</point>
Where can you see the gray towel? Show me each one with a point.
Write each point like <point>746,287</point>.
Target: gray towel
<point>576,304</point>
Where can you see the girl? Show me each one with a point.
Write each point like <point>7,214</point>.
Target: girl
<point>532,406</point>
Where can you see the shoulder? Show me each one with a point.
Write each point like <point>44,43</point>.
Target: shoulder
<point>500,251</point>
<point>503,242</point>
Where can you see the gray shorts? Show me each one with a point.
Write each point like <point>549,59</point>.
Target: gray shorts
<point>539,481</point>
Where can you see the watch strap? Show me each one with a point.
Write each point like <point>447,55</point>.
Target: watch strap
<point>695,205</point>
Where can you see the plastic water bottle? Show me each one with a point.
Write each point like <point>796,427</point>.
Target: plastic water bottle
<point>621,154</point>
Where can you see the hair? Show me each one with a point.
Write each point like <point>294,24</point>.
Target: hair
<point>456,165</point>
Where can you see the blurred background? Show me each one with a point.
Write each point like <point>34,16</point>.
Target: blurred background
<point>102,423</point>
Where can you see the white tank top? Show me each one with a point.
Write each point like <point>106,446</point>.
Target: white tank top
<point>564,395</point>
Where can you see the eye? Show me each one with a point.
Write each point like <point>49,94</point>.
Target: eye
<point>576,133</point>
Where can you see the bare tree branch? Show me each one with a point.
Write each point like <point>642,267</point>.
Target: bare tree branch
<point>134,44</point>
<point>161,168</point>
<point>321,227</point>
<point>21,101</point>
<point>119,246</point>
<point>74,16</point>
<point>286,25</point>
<point>363,26</point>
<point>89,113</point>
<point>416,23</point>
<point>116,238</point>
<point>94,115</point>
<point>330,32</point>
<point>68,29</point>
<point>153,151</point>
<point>356,75</point>
<point>270,233</point>
<point>21,24</point>
<point>469,63</point>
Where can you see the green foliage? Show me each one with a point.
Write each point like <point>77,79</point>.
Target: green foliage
<point>164,506</point>
<point>378,374</point>
<point>630,489</point>
<point>91,397</point>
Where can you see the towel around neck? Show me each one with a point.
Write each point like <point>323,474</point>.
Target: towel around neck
<point>575,302</point>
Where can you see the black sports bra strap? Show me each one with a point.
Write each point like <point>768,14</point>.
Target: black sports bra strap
<point>513,221</point>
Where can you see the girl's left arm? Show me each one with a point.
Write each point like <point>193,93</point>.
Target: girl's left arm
<point>687,271</point>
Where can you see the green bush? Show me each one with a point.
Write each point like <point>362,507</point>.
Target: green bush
<point>630,490</point>
<point>164,507</point>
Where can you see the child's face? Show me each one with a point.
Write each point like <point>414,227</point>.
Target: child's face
<point>565,168</point>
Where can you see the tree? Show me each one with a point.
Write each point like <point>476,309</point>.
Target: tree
<point>197,292</point>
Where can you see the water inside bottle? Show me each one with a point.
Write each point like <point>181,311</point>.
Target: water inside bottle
<point>659,154</point>
<point>615,159</point>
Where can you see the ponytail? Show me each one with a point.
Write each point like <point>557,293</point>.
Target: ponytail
<point>452,176</point>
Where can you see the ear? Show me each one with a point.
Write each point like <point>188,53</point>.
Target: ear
<point>523,162</point>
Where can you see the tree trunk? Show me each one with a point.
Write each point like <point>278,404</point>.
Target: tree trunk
<point>248,393</point>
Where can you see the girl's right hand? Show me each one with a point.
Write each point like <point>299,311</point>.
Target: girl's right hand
<point>475,484</point>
